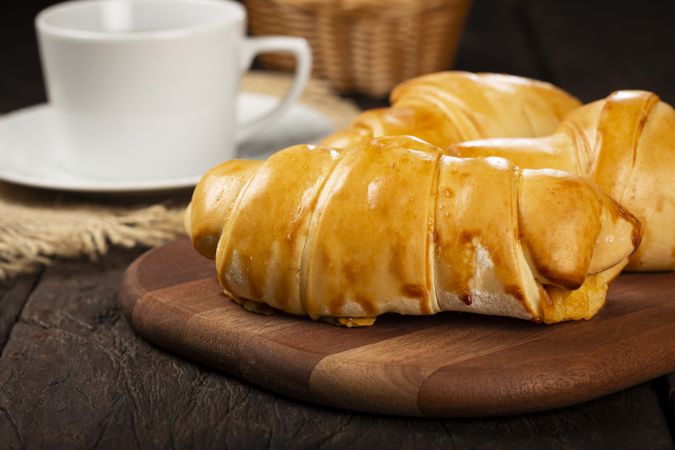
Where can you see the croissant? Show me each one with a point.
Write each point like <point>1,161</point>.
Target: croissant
<point>626,145</point>
<point>395,226</point>
<point>450,107</point>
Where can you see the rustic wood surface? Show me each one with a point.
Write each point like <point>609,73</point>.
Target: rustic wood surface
<point>446,365</point>
<point>73,374</point>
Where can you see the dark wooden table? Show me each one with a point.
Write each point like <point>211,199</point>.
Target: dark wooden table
<point>74,375</point>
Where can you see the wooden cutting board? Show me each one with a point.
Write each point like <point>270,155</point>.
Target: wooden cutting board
<point>450,364</point>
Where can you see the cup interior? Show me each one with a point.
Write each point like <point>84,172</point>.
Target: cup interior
<point>129,17</point>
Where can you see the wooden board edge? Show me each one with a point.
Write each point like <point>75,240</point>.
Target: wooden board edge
<point>130,290</point>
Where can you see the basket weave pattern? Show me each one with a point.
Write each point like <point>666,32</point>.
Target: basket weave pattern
<point>365,46</point>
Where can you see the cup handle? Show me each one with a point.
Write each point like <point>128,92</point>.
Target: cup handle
<point>296,46</point>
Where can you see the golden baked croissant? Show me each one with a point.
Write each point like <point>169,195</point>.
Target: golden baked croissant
<point>450,107</point>
<point>626,145</point>
<point>396,226</point>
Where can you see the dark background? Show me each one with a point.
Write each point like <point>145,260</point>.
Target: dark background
<point>587,47</point>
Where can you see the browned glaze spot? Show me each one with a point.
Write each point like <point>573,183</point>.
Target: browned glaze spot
<point>413,290</point>
<point>368,306</point>
<point>466,237</point>
<point>335,305</point>
<point>515,291</point>
<point>545,296</point>
<point>636,236</point>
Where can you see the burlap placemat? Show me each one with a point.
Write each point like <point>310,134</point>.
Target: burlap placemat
<point>38,226</point>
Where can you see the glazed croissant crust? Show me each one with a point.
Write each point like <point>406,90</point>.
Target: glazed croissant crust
<point>395,226</point>
<point>626,145</point>
<point>449,107</point>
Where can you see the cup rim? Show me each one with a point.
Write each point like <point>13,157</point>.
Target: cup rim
<point>43,26</point>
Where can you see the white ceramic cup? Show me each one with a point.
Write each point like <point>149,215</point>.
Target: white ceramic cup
<point>147,89</point>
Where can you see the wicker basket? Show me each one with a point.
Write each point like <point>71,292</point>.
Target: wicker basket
<point>365,46</point>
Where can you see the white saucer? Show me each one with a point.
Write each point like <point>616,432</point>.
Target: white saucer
<point>27,154</point>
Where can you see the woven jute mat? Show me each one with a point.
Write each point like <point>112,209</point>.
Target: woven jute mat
<point>39,226</point>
